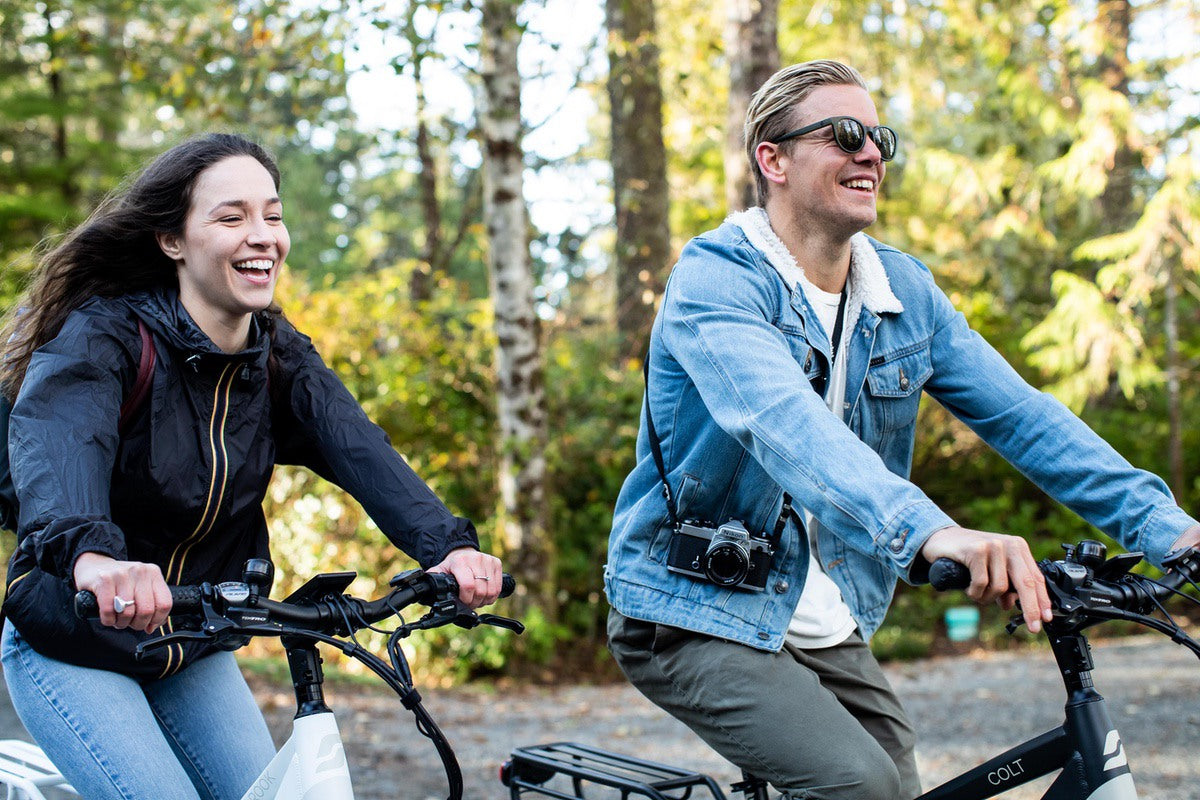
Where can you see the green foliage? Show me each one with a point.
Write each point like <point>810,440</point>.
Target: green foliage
<point>594,409</point>
<point>1086,337</point>
<point>89,90</point>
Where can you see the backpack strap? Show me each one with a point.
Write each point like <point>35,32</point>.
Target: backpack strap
<point>8,494</point>
<point>145,376</point>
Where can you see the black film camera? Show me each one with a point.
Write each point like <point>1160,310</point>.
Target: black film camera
<point>727,556</point>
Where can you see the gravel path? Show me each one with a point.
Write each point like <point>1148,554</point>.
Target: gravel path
<point>966,710</point>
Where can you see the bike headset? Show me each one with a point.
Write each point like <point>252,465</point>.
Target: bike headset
<point>818,385</point>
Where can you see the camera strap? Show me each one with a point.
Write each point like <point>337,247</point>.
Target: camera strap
<point>656,449</point>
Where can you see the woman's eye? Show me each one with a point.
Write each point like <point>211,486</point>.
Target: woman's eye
<point>230,219</point>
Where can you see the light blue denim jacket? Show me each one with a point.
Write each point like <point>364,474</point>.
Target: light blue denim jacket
<point>733,351</point>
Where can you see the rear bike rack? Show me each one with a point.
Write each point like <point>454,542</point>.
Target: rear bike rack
<point>25,772</point>
<point>531,768</point>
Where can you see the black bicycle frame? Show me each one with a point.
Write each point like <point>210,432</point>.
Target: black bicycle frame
<point>1087,747</point>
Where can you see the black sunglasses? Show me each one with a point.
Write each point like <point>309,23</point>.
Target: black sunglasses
<point>851,135</point>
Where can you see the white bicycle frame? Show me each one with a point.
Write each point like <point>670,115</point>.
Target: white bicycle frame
<point>25,772</point>
<point>311,765</point>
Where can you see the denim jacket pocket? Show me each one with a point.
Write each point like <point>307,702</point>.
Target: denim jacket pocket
<point>894,381</point>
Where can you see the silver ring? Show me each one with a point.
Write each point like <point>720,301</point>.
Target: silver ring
<point>119,605</point>
<point>481,578</point>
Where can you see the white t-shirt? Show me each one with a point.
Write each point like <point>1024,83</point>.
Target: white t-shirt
<point>822,618</point>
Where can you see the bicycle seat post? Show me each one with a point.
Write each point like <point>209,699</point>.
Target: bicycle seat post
<point>751,787</point>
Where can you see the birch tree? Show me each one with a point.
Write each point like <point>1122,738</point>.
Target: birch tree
<point>752,48</point>
<point>521,404</point>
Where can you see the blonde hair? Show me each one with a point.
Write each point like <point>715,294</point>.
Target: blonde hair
<point>771,110</point>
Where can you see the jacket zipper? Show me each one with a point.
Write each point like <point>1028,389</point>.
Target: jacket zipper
<point>216,494</point>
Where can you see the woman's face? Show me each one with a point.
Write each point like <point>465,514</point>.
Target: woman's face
<point>231,250</point>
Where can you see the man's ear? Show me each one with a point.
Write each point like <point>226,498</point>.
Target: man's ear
<point>771,162</point>
<point>170,245</point>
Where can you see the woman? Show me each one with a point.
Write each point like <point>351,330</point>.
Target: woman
<point>190,252</point>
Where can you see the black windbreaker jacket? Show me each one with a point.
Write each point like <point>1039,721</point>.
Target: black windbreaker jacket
<point>183,486</point>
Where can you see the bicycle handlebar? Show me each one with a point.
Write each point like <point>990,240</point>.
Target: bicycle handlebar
<point>322,615</point>
<point>86,606</point>
<point>1083,585</point>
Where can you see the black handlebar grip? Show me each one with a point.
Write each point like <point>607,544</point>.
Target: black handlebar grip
<point>184,600</point>
<point>946,574</point>
<point>508,584</point>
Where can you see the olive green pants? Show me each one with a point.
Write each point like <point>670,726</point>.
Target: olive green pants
<point>817,724</point>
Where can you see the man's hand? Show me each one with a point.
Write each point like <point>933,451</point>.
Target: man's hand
<point>1002,569</point>
<point>1189,538</point>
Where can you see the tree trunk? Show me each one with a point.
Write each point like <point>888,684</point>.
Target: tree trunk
<point>639,164</point>
<point>421,284</point>
<point>60,102</point>
<point>752,47</point>
<point>521,406</point>
<point>1115,18</point>
<point>1174,369</point>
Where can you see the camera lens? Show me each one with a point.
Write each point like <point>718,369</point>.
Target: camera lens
<point>726,563</point>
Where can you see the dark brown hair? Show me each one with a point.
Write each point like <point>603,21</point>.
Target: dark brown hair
<point>116,250</point>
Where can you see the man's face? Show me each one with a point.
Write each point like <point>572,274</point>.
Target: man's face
<point>824,185</point>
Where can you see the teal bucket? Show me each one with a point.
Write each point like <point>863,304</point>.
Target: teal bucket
<point>962,623</point>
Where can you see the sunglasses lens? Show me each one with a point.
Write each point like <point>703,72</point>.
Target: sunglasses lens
<point>849,134</point>
<point>885,140</point>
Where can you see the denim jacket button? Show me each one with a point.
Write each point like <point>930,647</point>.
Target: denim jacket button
<point>781,587</point>
<point>896,544</point>
<point>764,635</point>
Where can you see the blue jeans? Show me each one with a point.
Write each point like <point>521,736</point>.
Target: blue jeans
<point>194,735</point>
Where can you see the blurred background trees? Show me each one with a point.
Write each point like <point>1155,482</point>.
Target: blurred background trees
<point>1049,175</point>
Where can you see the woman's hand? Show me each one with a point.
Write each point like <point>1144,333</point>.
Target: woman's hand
<point>140,587</point>
<point>478,575</point>
<point>1002,569</point>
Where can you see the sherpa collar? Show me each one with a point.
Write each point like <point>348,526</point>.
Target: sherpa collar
<point>869,285</point>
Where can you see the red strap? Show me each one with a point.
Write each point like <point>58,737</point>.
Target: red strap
<point>145,376</point>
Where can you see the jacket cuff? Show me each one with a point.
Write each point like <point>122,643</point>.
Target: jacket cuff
<point>1160,531</point>
<point>903,537</point>
<point>463,536</point>
<point>62,542</point>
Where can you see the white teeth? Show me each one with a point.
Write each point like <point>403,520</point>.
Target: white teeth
<point>860,184</point>
<point>263,264</point>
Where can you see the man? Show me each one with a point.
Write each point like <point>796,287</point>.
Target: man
<point>785,369</point>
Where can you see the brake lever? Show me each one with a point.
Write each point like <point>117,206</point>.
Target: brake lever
<point>444,612</point>
<point>495,620</point>
<point>168,639</point>
<point>453,612</point>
